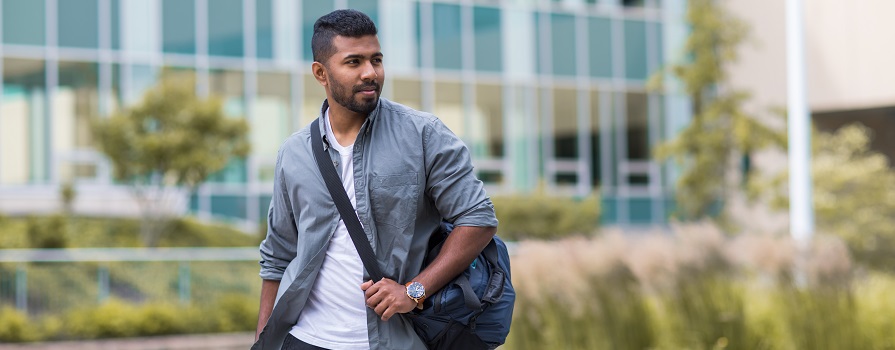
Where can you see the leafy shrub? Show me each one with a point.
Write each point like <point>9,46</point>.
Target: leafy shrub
<point>15,326</point>
<point>540,216</point>
<point>48,232</point>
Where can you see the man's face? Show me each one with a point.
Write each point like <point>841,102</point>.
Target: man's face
<point>355,74</point>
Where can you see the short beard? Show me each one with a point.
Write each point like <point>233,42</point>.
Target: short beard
<point>347,100</point>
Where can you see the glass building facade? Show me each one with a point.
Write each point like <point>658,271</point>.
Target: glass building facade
<point>545,93</point>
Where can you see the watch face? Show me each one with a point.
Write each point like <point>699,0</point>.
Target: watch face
<point>416,290</point>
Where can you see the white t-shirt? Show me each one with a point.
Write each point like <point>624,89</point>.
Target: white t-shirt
<point>335,315</point>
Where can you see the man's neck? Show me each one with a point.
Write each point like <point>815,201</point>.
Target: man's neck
<point>345,124</point>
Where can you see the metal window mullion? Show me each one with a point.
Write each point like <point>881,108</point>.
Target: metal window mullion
<point>585,180</point>
<point>105,58</point>
<point>546,105</point>
<point>202,75</point>
<point>52,82</point>
<point>508,104</point>
<point>427,54</point>
<point>250,87</point>
<point>467,64</point>
<point>607,178</point>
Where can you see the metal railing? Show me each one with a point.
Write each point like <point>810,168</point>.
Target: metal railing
<point>141,267</point>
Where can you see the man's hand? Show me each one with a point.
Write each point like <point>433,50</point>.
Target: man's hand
<point>387,298</point>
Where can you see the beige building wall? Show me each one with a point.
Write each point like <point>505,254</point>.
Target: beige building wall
<point>849,53</point>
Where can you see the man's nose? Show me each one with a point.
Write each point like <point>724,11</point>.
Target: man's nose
<point>368,72</point>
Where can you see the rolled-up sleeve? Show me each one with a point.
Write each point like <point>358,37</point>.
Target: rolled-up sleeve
<point>451,182</point>
<point>279,247</point>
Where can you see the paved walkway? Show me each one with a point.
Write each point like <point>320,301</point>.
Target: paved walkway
<point>224,341</point>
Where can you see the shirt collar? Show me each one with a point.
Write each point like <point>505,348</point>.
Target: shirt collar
<point>365,128</point>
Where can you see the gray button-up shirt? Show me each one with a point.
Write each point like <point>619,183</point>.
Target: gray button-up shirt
<point>410,171</point>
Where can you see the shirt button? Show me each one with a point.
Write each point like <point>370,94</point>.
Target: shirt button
<point>336,163</point>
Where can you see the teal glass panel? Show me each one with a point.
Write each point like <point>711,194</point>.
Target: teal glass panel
<point>635,50</point>
<point>233,173</point>
<point>537,39</point>
<point>608,210</point>
<point>23,22</point>
<point>225,36</point>
<point>562,33</point>
<point>447,35</point>
<point>264,28</point>
<point>659,44</point>
<point>114,14</point>
<point>419,34</point>
<point>78,23</point>
<point>599,31</point>
<point>179,26</point>
<point>310,12</point>
<point>488,39</point>
<point>194,202</point>
<point>369,7</point>
<point>229,206</point>
<point>640,210</point>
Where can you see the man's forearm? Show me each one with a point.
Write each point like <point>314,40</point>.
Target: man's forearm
<point>268,298</point>
<point>458,251</point>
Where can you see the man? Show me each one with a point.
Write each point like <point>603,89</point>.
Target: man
<point>403,171</point>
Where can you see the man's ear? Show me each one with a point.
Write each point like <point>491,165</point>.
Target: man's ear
<point>319,72</point>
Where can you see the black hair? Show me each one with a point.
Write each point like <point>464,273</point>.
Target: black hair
<point>349,23</point>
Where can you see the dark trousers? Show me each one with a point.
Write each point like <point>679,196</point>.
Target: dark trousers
<point>293,343</point>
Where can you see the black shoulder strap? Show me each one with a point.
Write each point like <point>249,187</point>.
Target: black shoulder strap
<point>349,216</point>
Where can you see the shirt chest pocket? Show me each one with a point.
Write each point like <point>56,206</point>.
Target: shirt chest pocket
<point>394,198</point>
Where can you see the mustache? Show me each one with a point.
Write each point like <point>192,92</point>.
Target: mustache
<point>373,85</point>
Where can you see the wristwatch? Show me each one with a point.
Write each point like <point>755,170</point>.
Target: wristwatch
<point>417,292</point>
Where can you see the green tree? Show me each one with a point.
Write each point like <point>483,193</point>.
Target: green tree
<point>169,142</point>
<point>853,193</point>
<point>720,131</point>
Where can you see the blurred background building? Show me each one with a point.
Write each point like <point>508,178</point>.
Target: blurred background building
<point>548,94</point>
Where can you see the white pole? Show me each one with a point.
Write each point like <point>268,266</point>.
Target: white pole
<point>801,207</point>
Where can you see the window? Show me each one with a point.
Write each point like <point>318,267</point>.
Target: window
<point>449,106</point>
<point>229,86</point>
<point>369,7</point>
<point>600,46</point>
<point>75,103</point>
<point>179,28</point>
<point>264,28</point>
<point>447,35</point>
<point>486,127</point>
<point>78,23</point>
<point>635,50</point>
<point>595,137</point>
<point>23,138</point>
<point>115,16</point>
<point>407,92</point>
<point>563,34</point>
<point>271,121</point>
<point>488,43</point>
<point>23,22</point>
<point>637,122</point>
<point>565,123</point>
<point>225,36</point>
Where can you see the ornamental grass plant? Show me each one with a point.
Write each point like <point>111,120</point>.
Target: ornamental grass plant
<point>695,288</point>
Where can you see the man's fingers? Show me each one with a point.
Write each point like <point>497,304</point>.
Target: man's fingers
<point>366,285</point>
<point>388,313</point>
